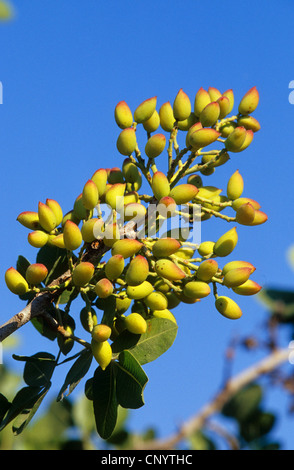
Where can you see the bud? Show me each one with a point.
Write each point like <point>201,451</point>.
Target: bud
<point>210,114</point>
<point>123,115</point>
<point>230,95</point>
<point>236,139</point>
<point>114,196</point>
<point>165,247</point>
<point>156,301</point>
<point>134,210</point>
<point>140,291</point>
<point>114,267</point>
<point>102,352</point>
<point>126,142</point>
<point>206,248</point>
<point>202,99</point>
<point>137,271</point>
<point>47,217</point>
<point>236,277</point>
<point>243,200</point>
<point>36,273</point>
<point>126,247</point>
<point>100,179</point>
<point>183,193</point>
<point>72,236</point>
<point>135,323</point>
<point>214,93</point>
<point>153,123</point>
<point>237,264</point>
<point>245,214</point>
<point>207,269</point>
<point>247,288</point>
<point>166,116</point>
<point>203,137</point>
<point>196,289</point>
<point>155,145</point>
<point>82,274</point>
<point>249,102</point>
<point>235,186</point>
<point>169,270</point>
<point>91,228</point>
<point>164,314</point>
<point>111,234</point>
<point>160,185</point>
<point>15,282</point>
<point>249,122</point>
<point>90,195</point>
<point>181,106</point>
<point>228,308</point>
<point>104,288</point>
<point>38,238</point>
<point>29,219</point>
<point>101,333</point>
<point>226,243</point>
<point>145,110</point>
<point>55,207</point>
<point>224,106</point>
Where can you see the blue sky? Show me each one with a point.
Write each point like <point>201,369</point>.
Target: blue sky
<point>65,65</point>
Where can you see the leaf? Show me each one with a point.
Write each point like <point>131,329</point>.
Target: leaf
<point>109,305</point>
<point>130,381</point>
<point>27,414</point>
<point>104,400</point>
<point>280,303</point>
<point>22,264</point>
<point>38,369</point>
<point>4,406</point>
<point>147,347</point>
<point>244,403</point>
<point>258,425</point>
<point>77,371</point>
<point>55,260</point>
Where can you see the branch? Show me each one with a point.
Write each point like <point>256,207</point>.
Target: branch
<point>196,422</point>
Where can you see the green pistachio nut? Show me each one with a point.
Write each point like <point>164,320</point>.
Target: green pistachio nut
<point>126,247</point>
<point>114,196</point>
<point>57,240</point>
<point>29,219</point>
<point>169,270</point>
<point>65,342</point>
<point>83,273</point>
<point>70,215</point>
<point>131,196</point>
<point>195,127</point>
<point>259,218</point>
<point>166,116</point>
<point>164,314</point>
<point>153,123</point>
<point>214,93</point>
<point>115,175</point>
<point>237,264</point>
<point>203,137</point>
<point>206,270</point>
<point>56,208</point>
<point>167,207</point>
<point>100,179</point>
<point>123,115</point>
<point>230,95</point>
<point>248,139</point>
<point>181,106</point>
<point>111,234</point>
<point>172,299</point>
<point>249,102</point>
<point>47,217</point>
<point>235,186</point>
<point>130,171</point>
<point>228,307</point>
<point>236,277</point>
<point>140,291</point>
<point>156,301</point>
<point>135,323</point>
<point>243,200</point>
<point>196,180</point>
<point>122,304</point>
<point>102,352</point>
<point>36,273</point>
<point>227,128</point>
<point>185,253</point>
<point>38,238</point>
<point>137,271</point>
<point>101,333</point>
<point>226,243</point>
<point>160,185</point>
<point>145,110</point>
<point>187,123</point>
<point>15,282</point>
<point>92,229</point>
<point>206,248</point>
<point>183,193</point>
<point>202,99</point>
<point>245,214</point>
<point>236,139</point>
<point>218,160</point>
<point>79,210</point>
<point>249,287</point>
<point>90,195</point>
<point>165,247</point>
<point>224,106</point>
<point>155,145</point>
<point>210,114</point>
<point>72,236</point>
<point>114,267</point>
<point>249,122</point>
<point>104,288</point>
<point>126,142</point>
<point>196,289</point>
<point>135,211</point>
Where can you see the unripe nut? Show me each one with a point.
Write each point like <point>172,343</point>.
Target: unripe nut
<point>72,236</point>
<point>228,307</point>
<point>83,273</point>
<point>104,288</point>
<point>15,282</point>
<point>102,352</point>
<point>36,273</point>
<point>101,333</point>
<point>135,323</point>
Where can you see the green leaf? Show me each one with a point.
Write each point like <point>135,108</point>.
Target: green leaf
<point>104,400</point>
<point>38,369</point>
<point>4,406</point>
<point>27,413</point>
<point>257,426</point>
<point>77,371</point>
<point>22,264</point>
<point>147,347</point>
<point>280,303</point>
<point>244,403</point>
<point>109,310</point>
<point>130,381</point>
<point>55,260</point>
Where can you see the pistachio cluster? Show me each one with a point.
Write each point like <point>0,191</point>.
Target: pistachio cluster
<point>149,276</point>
